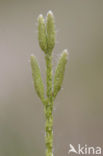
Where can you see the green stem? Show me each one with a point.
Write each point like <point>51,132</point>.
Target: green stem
<point>49,108</point>
<point>48,59</point>
<point>46,37</point>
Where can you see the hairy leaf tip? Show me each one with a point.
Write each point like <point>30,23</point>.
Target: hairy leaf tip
<point>50,13</point>
<point>66,52</point>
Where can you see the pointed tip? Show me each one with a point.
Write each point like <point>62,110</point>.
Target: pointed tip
<point>32,57</point>
<point>50,13</point>
<point>65,51</point>
<point>65,54</point>
<point>40,17</point>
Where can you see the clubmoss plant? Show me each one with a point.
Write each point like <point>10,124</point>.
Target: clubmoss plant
<point>46,38</point>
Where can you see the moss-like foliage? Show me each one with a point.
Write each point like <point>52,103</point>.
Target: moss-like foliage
<point>42,33</point>
<point>38,84</point>
<point>50,27</point>
<point>46,37</point>
<point>59,73</point>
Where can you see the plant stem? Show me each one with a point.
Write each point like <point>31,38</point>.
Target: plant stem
<point>48,59</point>
<point>49,108</point>
<point>46,37</point>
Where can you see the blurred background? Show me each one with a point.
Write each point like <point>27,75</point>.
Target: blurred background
<point>78,108</point>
